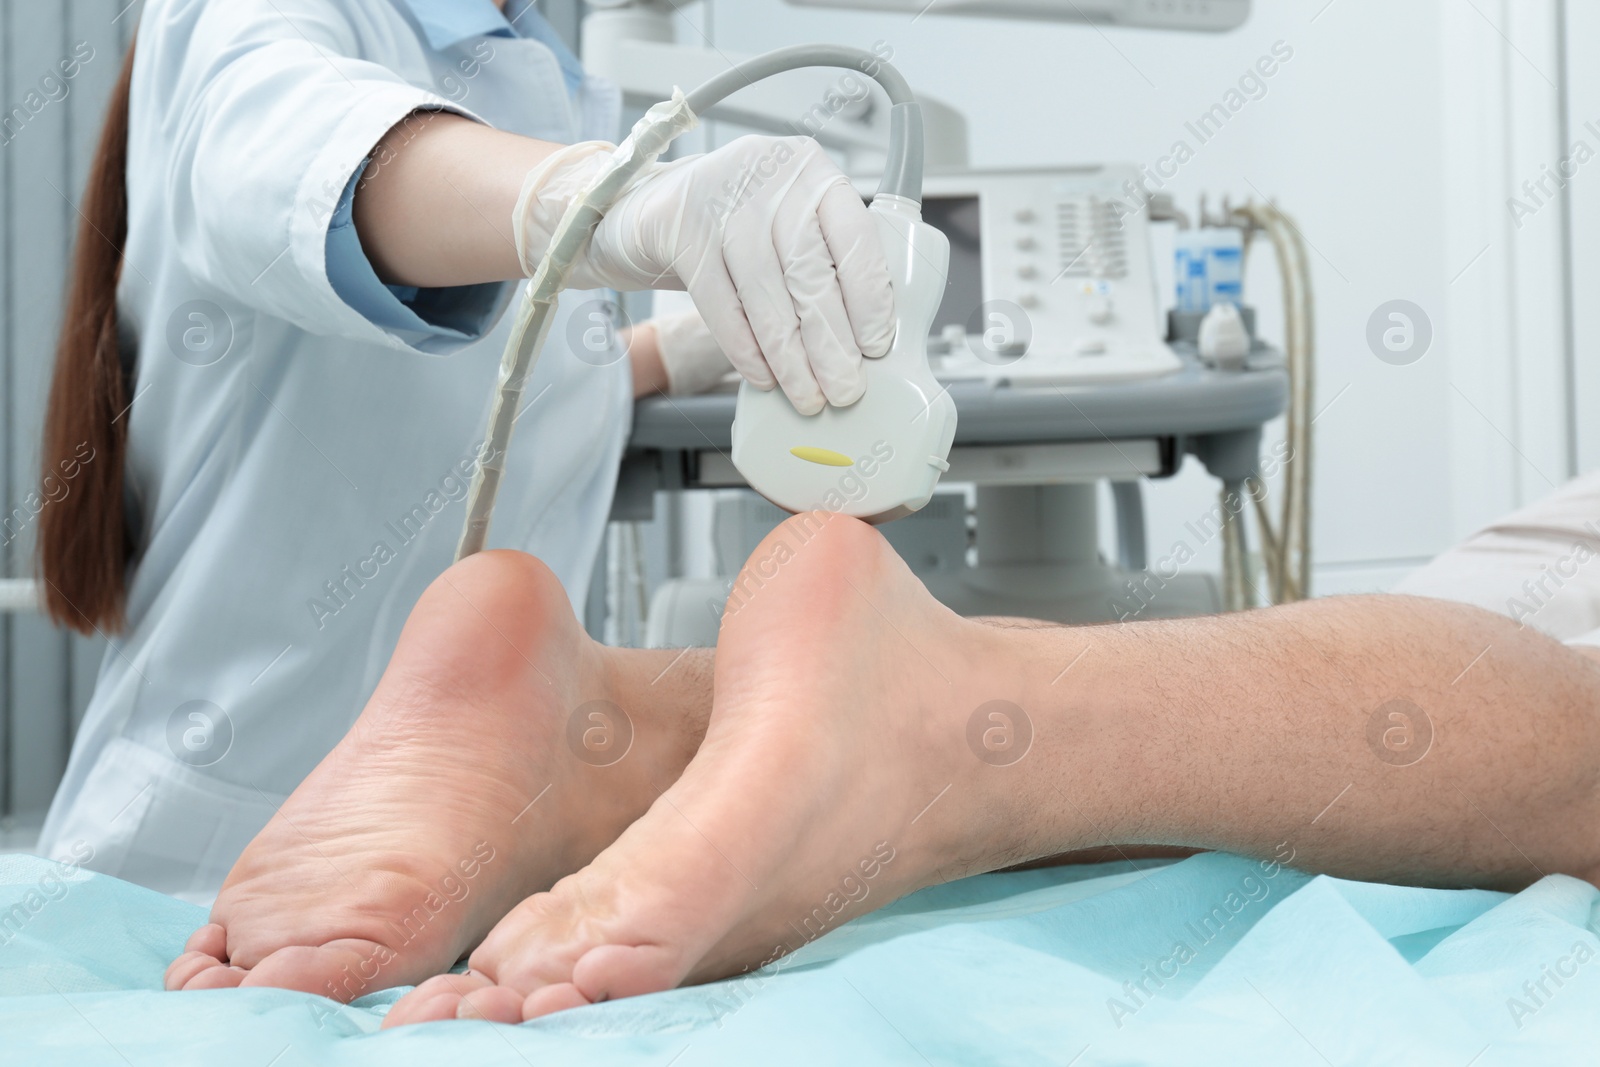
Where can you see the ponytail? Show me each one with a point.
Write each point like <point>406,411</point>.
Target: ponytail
<point>85,545</point>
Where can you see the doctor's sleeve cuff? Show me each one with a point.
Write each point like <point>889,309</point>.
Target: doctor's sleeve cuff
<point>345,296</point>
<point>430,320</point>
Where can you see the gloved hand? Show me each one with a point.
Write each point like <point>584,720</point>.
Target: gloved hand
<point>778,252</point>
<point>690,356</point>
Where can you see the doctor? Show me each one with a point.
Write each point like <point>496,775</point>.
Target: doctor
<point>284,327</point>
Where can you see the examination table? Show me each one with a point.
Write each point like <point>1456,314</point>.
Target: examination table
<point>1211,960</point>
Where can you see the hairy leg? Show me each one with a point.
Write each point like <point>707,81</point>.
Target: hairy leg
<point>866,742</point>
<point>501,750</point>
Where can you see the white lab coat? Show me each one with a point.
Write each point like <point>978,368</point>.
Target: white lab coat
<point>263,483</point>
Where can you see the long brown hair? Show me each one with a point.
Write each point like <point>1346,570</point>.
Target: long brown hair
<point>85,544</point>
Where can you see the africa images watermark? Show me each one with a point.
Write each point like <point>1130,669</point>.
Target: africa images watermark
<point>1251,889</point>
<point>362,978</point>
<point>1547,187</point>
<point>454,84</point>
<point>848,91</point>
<point>341,590</point>
<point>53,489</point>
<point>853,888</point>
<point>1553,577</point>
<point>850,488</point>
<point>54,86</point>
<point>52,886</point>
<point>1536,992</point>
<point>759,570</point>
<point>1200,131</point>
<point>1141,590</point>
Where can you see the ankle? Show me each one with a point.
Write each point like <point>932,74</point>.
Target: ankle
<point>1053,739</point>
<point>991,727</point>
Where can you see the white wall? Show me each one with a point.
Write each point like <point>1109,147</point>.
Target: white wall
<point>1350,137</point>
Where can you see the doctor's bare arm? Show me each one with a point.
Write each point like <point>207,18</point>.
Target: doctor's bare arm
<point>434,206</point>
<point>434,209</point>
<point>644,357</point>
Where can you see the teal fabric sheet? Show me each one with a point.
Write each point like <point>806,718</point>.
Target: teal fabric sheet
<point>1213,960</point>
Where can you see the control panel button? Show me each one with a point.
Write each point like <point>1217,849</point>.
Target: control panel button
<point>1090,346</point>
<point>1100,310</point>
<point>1027,244</point>
<point>1027,270</point>
<point>1025,214</point>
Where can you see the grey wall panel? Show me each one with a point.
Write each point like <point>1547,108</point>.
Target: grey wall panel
<point>108,26</point>
<point>38,100</point>
<point>49,124</point>
<point>7,207</point>
<point>564,17</point>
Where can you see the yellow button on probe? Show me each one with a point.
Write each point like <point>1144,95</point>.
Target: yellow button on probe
<point>824,456</point>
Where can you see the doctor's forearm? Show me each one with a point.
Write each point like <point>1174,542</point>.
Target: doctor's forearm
<point>644,357</point>
<point>434,207</point>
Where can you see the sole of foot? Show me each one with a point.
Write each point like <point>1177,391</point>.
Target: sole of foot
<point>478,772</point>
<point>839,772</point>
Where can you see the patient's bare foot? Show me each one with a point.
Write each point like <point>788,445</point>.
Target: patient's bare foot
<point>836,775</point>
<point>455,794</point>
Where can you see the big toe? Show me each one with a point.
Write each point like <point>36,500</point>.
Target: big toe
<point>212,939</point>
<point>610,971</point>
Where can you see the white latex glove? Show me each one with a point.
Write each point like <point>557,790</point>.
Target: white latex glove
<point>690,356</point>
<point>778,252</point>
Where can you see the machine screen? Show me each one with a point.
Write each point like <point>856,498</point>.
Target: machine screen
<point>957,217</point>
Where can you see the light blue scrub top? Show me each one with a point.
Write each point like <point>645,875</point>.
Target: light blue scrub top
<point>302,435</point>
